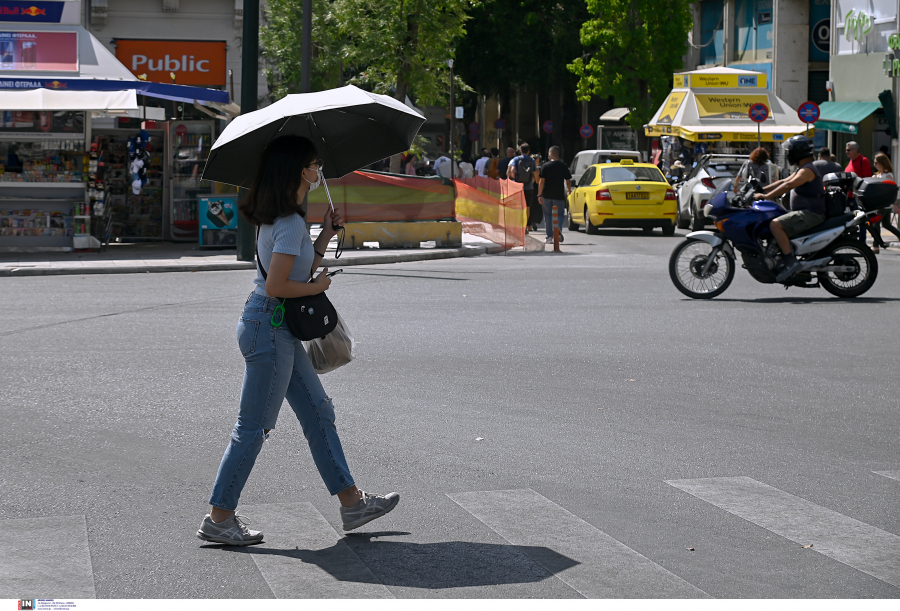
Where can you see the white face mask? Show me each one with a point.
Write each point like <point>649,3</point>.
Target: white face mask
<point>315,185</point>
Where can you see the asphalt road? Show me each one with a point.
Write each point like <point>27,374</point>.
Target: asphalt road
<point>648,445</point>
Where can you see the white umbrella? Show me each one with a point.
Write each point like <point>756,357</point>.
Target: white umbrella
<point>349,127</point>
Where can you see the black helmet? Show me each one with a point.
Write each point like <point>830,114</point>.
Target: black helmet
<point>797,148</point>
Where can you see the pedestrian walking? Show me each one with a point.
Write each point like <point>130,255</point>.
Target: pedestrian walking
<point>553,189</point>
<point>410,168</point>
<point>503,163</point>
<point>825,162</point>
<point>492,164</point>
<point>443,165</point>
<point>276,364</point>
<point>755,167</point>
<point>863,169</point>
<point>466,168</point>
<point>481,164</point>
<point>521,169</point>
<point>884,171</point>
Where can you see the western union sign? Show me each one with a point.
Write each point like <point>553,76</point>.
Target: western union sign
<point>720,81</point>
<point>728,106</point>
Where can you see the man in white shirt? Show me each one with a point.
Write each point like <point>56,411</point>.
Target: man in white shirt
<point>442,166</point>
<point>481,166</point>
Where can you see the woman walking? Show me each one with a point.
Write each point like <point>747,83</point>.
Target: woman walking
<point>885,171</point>
<point>276,364</point>
<point>756,167</point>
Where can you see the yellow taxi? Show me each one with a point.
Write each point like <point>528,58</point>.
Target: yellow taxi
<point>623,194</point>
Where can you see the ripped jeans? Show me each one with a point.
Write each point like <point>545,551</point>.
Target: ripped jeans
<point>277,368</point>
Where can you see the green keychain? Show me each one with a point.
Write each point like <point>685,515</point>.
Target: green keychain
<point>278,309</point>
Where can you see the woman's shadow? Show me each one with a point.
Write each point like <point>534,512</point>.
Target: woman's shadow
<point>449,564</point>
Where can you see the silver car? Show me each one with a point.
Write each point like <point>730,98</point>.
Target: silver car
<point>697,187</point>
<point>585,159</point>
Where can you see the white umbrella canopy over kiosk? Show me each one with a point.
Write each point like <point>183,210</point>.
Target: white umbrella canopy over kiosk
<point>349,127</point>
<point>712,104</point>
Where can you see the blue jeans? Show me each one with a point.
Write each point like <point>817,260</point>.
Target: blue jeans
<point>277,367</point>
<point>548,214</point>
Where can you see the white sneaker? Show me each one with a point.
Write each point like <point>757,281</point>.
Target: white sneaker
<point>232,531</point>
<point>371,506</point>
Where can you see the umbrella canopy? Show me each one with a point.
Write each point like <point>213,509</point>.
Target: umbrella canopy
<point>349,127</point>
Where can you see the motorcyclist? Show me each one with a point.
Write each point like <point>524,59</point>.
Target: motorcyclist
<point>807,201</point>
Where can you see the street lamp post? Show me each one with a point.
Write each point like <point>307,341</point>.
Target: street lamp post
<point>452,122</point>
<point>246,239</point>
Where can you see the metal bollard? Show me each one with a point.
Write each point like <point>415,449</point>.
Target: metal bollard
<point>556,229</point>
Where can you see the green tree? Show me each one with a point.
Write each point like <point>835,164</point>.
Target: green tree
<point>513,45</point>
<point>632,47</point>
<point>281,48</point>
<point>395,47</point>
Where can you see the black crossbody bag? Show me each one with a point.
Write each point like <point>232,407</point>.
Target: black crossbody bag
<point>307,318</point>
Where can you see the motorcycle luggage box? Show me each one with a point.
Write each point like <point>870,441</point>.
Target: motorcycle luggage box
<point>844,180</point>
<point>875,194</point>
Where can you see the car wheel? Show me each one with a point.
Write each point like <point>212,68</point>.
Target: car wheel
<point>647,230</point>
<point>573,226</point>
<point>681,222</point>
<point>668,230</point>
<point>589,227</point>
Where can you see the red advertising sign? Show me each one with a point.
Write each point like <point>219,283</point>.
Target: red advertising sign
<point>38,51</point>
<point>192,62</point>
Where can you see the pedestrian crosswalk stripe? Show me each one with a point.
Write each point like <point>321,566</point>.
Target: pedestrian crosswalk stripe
<point>602,568</point>
<point>854,543</point>
<point>891,474</point>
<point>46,558</point>
<point>302,556</point>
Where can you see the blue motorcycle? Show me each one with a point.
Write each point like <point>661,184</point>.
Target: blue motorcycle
<point>832,255</point>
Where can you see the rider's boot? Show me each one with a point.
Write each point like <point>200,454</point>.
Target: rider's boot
<point>791,267</point>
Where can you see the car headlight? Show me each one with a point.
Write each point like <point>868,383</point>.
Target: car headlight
<point>707,209</point>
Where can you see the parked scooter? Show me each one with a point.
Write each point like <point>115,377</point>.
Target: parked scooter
<point>832,255</point>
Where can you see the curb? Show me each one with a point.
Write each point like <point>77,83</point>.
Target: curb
<point>464,251</point>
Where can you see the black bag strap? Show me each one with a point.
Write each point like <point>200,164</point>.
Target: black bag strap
<point>259,262</point>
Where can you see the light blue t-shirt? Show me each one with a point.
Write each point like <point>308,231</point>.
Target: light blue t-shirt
<point>287,235</point>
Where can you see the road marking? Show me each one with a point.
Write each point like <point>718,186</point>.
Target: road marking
<point>302,556</point>
<point>603,567</point>
<point>46,558</point>
<point>851,542</point>
<point>891,474</point>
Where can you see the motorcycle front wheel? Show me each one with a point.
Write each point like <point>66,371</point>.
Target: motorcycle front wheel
<point>854,254</point>
<point>686,270</point>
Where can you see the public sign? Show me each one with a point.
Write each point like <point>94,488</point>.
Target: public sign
<point>808,112</point>
<point>193,63</point>
<point>499,124</point>
<point>50,51</point>
<point>548,127</point>
<point>759,112</point>
<point>586,131</point>
<point>460,112</point>
<point>727,106</point>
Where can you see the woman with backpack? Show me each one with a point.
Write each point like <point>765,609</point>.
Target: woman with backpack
<point>756,167</point>
<point>885,171</point>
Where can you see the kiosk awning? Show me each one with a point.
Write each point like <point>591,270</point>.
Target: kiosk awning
<point>48,99</point>
<point>616,114</point>
<point>713,104</point>
<point>844,116</point>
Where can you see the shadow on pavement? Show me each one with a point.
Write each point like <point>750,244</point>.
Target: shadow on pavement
<point>450,564</point>
<point>805,300</point>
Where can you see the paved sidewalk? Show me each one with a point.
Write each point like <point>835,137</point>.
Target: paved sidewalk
<point>187,257</point>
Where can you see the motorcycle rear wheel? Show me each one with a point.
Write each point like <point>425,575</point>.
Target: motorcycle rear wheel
<point>686,265</point>
<point>849,285</point>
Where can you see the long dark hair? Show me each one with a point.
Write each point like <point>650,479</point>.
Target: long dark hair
<point>274,190</point>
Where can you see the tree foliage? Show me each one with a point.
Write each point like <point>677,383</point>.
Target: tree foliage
<point>395,47</point>
<point>524,43</point>
<point>632,47</point>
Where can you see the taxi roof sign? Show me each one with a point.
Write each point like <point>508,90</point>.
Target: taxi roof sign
<point>626,162</point>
